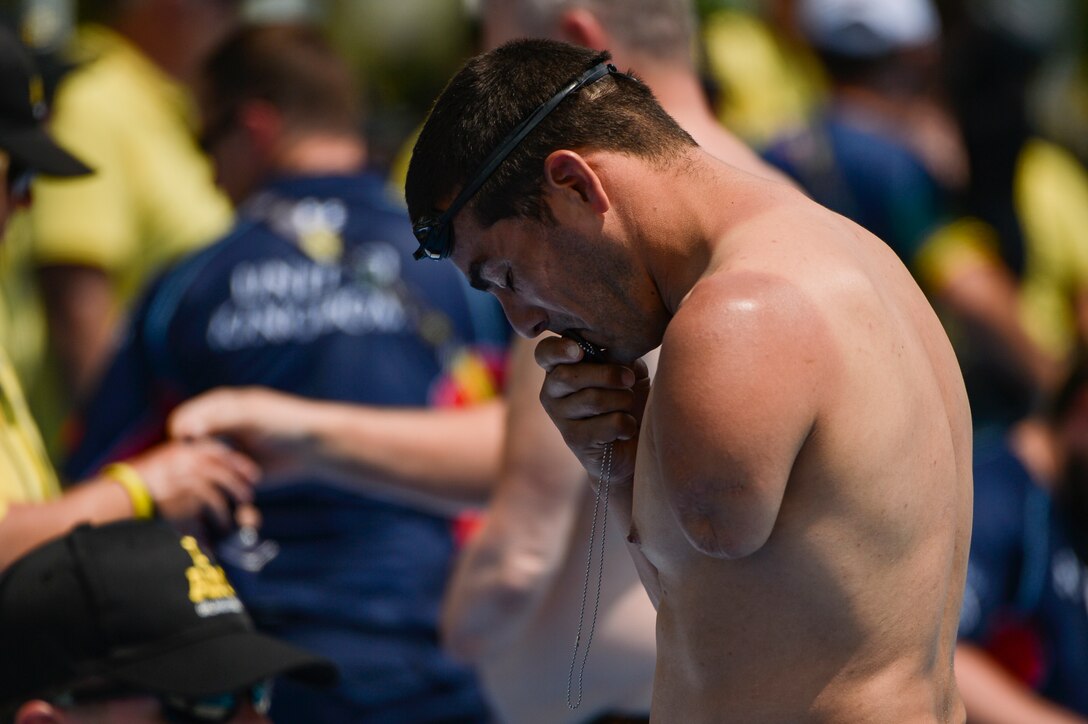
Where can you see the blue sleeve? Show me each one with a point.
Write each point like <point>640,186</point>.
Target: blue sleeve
<point>996,569</point>
<point>127,412</point>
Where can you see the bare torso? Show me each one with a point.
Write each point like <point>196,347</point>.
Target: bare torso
<point>848,610</point>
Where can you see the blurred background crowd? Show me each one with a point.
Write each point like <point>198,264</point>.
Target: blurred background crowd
<point>243,228</point>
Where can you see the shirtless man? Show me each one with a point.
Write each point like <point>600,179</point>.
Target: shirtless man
<point>800,505</point>
<point>512,605</point>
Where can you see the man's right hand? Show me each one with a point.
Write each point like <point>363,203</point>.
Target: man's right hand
<point>593,405</point>
<point>188,479</point>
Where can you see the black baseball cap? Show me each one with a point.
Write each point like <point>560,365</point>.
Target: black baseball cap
<point>133,603</point>
<point>22,112</point>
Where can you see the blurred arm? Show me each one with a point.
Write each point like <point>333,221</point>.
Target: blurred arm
<point>79,306</point>
<point>441,458</point>
<point>185,482</point>
<point>509,564</point>
<point>27,525</point>
<point>993,696</point>
<point>985,295</point>
<point>961,269</point>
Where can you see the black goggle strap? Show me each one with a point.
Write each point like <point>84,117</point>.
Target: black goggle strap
<point>437,230</point>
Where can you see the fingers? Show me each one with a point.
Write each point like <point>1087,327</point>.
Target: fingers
<point>230,477</point>
<point>566,379</point>
<point>247,516</point>
<point>603,429</point>
<point>240,465</point>
<point>215,505</point>
<point>211,413</point>
<point>205,476</point>
<point>589,402</point>
<point>592,403</point>
<point>552,351</point>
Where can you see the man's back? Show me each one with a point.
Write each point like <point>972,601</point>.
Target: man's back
<point>329,308</point>
<point>839,416</point>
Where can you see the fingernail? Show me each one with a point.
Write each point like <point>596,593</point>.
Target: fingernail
<point>627,377</point>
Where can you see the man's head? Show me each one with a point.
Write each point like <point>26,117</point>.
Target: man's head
<point>540,211</point>
<point>651,31</point>
<point>133,622</point>
<point>265,90</point>
<point>868,28</point>
<point>872,42</point>
<point>176,34</point>
<point>25,146</point>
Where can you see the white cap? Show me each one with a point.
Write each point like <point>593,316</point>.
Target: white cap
<point>867,28</point>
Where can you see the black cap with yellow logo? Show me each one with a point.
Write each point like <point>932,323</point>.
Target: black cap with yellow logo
<point>135,604</point>
<point>22,115</point>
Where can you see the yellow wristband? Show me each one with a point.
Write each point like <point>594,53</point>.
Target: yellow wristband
<point>142,504</point>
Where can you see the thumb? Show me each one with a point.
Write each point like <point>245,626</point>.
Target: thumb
<point>184,425</point>
<point>202,416</point>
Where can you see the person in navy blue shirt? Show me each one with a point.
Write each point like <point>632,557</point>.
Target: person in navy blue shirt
<point>368,388</point>
<point>1023,651</point>
<point>862,154</point>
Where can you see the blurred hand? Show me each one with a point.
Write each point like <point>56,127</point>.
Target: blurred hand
<point>190,479</point>
<point>594,405</point>
<point>263,423</point>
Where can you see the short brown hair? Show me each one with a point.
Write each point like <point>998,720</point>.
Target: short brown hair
<point>494,92</point>
<point>290,66</point>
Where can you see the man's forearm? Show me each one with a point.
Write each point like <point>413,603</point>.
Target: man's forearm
<point>993,696</point>
<point>985,296</point>
<point>27,525</point>
<point>451,455</point>
<point>80,309</point>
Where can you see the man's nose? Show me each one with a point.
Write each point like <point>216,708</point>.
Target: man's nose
<point>527,320</point>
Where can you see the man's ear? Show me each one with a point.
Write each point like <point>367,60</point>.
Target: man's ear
<point>568,171</point>
<point>581,27</point>
<point>263,123</point>
<point>37,711</point>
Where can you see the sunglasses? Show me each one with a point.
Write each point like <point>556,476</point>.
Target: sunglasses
<point>217,707</point>
<point>180,709</point>
<point>435,233</point>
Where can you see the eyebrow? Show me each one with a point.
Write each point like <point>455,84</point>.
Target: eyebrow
<point>475,277</point>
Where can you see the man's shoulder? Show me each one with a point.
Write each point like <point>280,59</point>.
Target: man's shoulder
<point>245,240</point>
<point>746,328</point>
<point>100,84</point>
<point>747,302</point>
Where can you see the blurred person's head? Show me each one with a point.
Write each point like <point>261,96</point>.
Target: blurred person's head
<point>25,146</point>
<point>129,622</point>
<point>177,34</point>
<point>278,99</point>
<point>637,32</point>
<point>872,42</point>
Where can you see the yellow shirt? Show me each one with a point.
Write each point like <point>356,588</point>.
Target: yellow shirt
<point>22,319</point>
<point>1051,198</point>
<point>1051,194</point>
<point>768,85</point>
<point>152,197</point>
<point>25,472</point>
